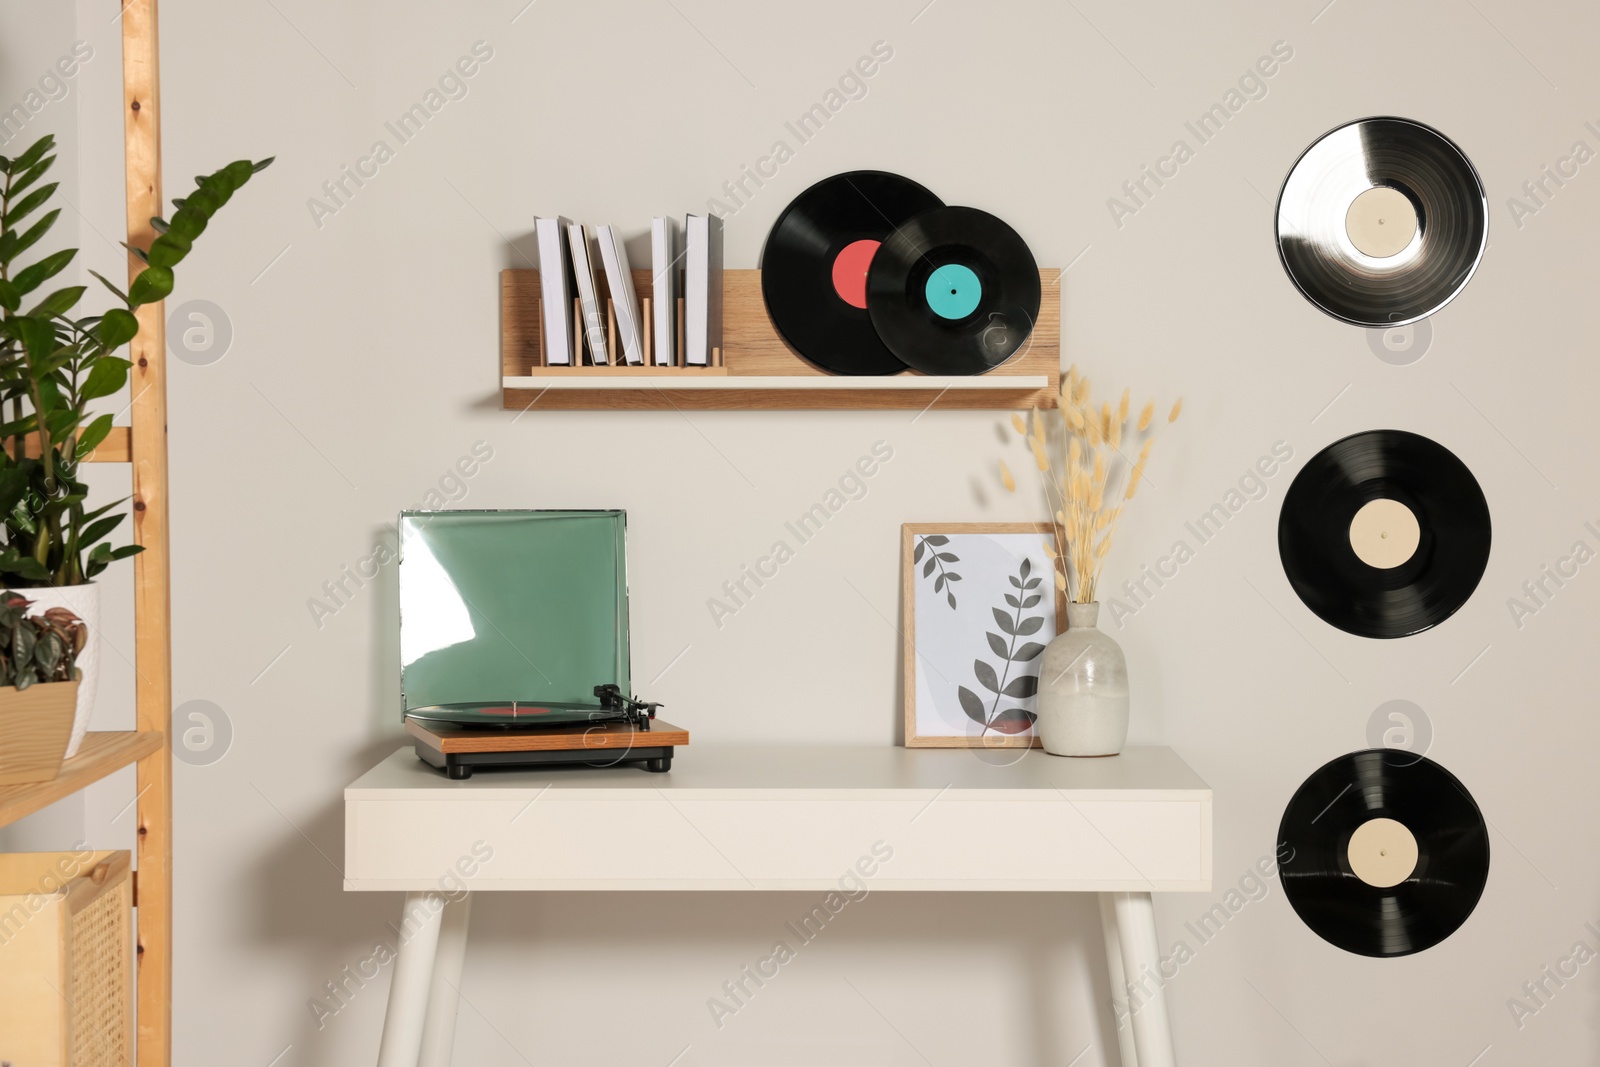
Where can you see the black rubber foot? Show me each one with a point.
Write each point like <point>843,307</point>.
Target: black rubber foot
<point>659,765</point>
<point>459,772</point>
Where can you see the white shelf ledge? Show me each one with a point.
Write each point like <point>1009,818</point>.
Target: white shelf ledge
<point>735,382</point>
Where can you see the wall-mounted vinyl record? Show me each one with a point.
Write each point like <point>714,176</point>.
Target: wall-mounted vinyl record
<point>954,291</point>
<point>1384,533</point>
<point>1382,221</point>
<point>814,267</point>
<point>1383,853</point>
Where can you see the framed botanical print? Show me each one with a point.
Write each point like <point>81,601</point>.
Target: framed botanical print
<point>980,603</point>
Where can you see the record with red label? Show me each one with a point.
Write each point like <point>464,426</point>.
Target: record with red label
<point>814,267</point>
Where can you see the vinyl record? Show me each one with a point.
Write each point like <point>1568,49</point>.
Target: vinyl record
<point>1384,533</point>
<point>814,267</point>
<point>1381,222</point>
<point>1383,853</point>
<point>954,291</point>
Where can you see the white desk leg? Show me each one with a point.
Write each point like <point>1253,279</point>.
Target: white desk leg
<point>420,920</point>
<point>439,1035</point>
<point>1141,965</point>
<point>1119,982</point>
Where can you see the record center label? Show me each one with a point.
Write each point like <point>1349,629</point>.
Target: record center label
<point>850,271</point>
<point>1382,853</point>
<point>1381,222</point>
<point>1384,534</point>
<point>954,291</point>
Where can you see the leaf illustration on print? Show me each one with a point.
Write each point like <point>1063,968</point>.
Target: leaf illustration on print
<point>1002,684</point>
<point>936,560</point>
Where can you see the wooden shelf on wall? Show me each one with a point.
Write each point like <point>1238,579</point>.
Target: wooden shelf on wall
<point>101,753</point>
<point>758,370</point>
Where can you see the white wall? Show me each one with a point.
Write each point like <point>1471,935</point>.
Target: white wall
<point>364,362</point>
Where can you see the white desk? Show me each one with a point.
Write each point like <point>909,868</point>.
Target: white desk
<point>769,818</point>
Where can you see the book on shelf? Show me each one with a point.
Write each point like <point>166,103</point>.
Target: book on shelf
<point>664,256</point>
<point>702,297</point>
<point>594,319</point>
<point>624,301</point>
<point>555,289</point>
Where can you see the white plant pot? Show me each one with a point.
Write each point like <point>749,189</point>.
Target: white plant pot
<point>84,602</point>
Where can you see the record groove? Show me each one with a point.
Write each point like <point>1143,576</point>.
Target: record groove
<point>1319,534</point>
<point>1327,211</point>
<point>1341,821</point>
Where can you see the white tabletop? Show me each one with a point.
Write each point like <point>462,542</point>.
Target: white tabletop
<point>770,817</point>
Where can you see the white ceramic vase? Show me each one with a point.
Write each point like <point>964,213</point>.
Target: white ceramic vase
<point>84,602</point>
<point>1083,689</point>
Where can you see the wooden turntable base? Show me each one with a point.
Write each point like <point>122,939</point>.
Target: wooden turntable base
<point>459,750</point>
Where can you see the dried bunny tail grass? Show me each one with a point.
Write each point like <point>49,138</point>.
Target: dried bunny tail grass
<point>1122,406</point>
<point>1040,459</point>
<point>1114,438</point>
<point>1146,415</point>
<point>1075,452</point>
<point>1134,479</point>
<point>1006,479</point>
<point>1017,424</point>
<point>1061,581</point>
<point>1038,426</point>
<point>1104,547</point>
<point>1105,420</point>
<point>1177,409</point>
<point>1049,548</point>
<point>1080,393</point>
<point>1074,418</point>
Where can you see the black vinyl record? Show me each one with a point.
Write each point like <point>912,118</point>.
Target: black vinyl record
<point>1384,534</point>
<point>954,291</point>
<point>1362,884</point>
<point>1382,222</point>
<point>814,267</point>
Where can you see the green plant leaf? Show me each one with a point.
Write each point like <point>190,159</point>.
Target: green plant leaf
<point>31,277</point>
<point>91,437</point>
<point>107,283</point>
<point>25,678</point>
<point>59,302</point>
<point>152,284</point>
<point>109,375</point>
<point>168,250</point>
<point>10,299</point>
<point>31,175</point>
<point>34,153</point>
<point>25,207</point>
<point>116,328</point>
<point>257,168</point>
<point>99,531</point>
<point>17,245</point>
<point>159,224</point>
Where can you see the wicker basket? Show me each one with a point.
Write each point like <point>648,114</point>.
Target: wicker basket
<point>66,959</point>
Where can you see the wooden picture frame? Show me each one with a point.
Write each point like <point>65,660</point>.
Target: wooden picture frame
<point>914,582</point>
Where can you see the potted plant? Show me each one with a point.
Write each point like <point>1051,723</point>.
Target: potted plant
<point>54,366</point>
<point>1083,457</point>
<point>39,682</point>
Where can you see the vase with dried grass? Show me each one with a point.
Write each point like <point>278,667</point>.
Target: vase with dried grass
<point>1092,462</point>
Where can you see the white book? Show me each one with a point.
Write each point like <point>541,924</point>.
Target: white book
<point>702,297</point>
<point>594,319</point>
<point>555,290</point>
<point>664,268</point>
<point>623,298</point>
